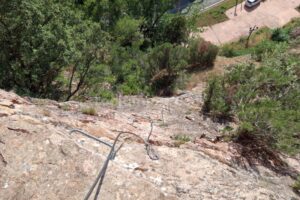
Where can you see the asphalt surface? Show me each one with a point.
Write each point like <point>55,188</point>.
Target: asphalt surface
<point>182,4</point>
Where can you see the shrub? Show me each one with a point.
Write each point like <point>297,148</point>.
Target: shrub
<point>265,100</point>
<point>130,78</point>
<point>172,29</point>
<point>263,48</point>
<point>106,95</point>
<point>32,53</point>
<point>202,54</point>
<point>181,139</point>
<point>215,100</point>
<point>164,64</point>
<point>65,107</point>
<point>89,111</point>
<point>228,51</point>
<point>280,35</point>
<point>127,32</point>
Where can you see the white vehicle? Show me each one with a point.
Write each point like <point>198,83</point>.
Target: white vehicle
<point>252,3</point>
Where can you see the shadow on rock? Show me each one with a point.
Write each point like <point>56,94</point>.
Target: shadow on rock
<point>254,152</point>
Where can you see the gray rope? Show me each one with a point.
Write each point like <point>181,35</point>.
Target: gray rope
<point>100,177</point>
<point>150,151</point>
<point>91,137</point>
<point>98,140</point>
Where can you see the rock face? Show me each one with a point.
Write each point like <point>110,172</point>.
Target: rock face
<point>40,159</point>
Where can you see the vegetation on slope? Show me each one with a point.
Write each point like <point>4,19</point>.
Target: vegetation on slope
<point>95,48</point>
<point>264,99</point>
<point>261,40</point>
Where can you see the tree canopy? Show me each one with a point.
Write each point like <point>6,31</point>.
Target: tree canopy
<point>60,49</point>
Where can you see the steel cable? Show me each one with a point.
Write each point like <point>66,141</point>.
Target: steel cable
<point>100,177</point>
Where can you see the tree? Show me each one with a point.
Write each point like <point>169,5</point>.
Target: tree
<point>202,54</point>
<point>88,49</point>
<point>39,42</point>
<point>164,64</point>
<point>150,12</point>
<point>126,32</point>
<point>171,28</point>
<point>33,45</point>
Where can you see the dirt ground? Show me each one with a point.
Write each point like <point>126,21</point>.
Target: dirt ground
<point>271,13</point>
<point>221,64</point>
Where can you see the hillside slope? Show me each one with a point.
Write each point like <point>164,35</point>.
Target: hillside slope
<point>40,159</point>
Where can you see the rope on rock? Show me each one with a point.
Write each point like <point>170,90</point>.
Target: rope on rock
<point>91,137</point>
<point>100,177</point>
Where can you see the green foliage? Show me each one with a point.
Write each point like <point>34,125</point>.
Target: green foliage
<point>108,13</point>
<point>181,139</point>
<point>106,95</point>
<point>127,69</point>
<point>172,29</point>
<point>39,44</point>
<point>164,64</point>
<point>265,99</point>
<point>228,51</point>
<point>88,49</point>
<point>127,32</point>
<point>33,45</point>
<point>132,78</point>
<point>95,48</point>
<point>238,48</point>
<point>280,35</point>
<point>98,83</point>
<point>295,22</point>
<point>262,49</point>
<point>215,100</point>
<point>202,54</point>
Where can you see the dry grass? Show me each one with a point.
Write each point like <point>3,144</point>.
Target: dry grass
<point>65,107</point>
<point>46,112</point>
<point>181,139</point>
<point>89,111</point>
<point>219,67</point>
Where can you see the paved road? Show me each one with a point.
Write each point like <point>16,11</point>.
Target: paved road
<point>272,14</point>
<point>208,3</point>
<point>182,4</point>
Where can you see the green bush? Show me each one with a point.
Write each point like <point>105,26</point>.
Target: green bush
<point>215,100</point>
<point>280,35</point>
<point>33,49</point>
<point>164,64</point>
<point>131,78</point>
<point>127,32</point>
<point>265,99</point>
<point>172,29</point>
<point>228,51</point>
<point>263,48</point>
<point>202,54</point>
<point>181,139</point>
<point>106,95</point>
